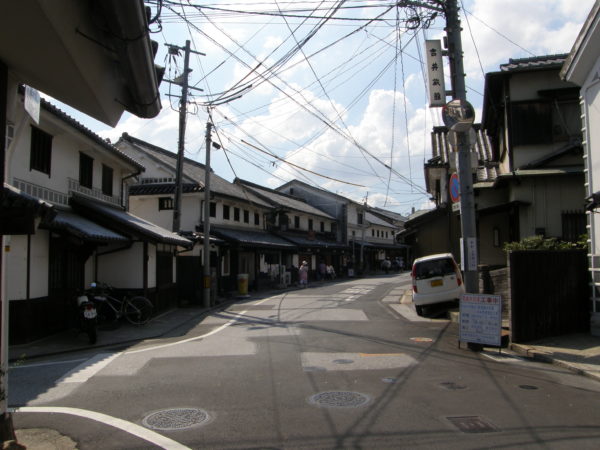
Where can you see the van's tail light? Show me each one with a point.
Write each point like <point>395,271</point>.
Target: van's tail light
<point>459,280</point>
<point>412,274</point>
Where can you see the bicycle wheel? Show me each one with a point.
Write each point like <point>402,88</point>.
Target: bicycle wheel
<point>138,310</point>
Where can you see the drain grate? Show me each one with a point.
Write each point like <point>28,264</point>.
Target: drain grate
<point>528,387</point>
<point>339,399</point>
<point>175,419</point>
<point>472,424</point>
<point>452,386</point>
<point>343,361</point>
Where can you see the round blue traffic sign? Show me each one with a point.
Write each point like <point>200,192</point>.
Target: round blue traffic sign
<point>454,188</point>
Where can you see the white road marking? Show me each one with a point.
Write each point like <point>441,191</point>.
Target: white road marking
<point>128,427</point>
<point>503,357</point>
<point>237,317</point>
<point>88,369</point>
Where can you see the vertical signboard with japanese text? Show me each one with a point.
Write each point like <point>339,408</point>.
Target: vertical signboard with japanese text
<point>435,72</point>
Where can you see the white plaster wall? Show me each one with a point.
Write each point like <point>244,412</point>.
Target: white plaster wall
<point>218,220</point>
<point>591,94</point>
<point>190,212</point>
<point>525,86</point>
<point>16,266</point>
<point>125,269</point>
<point>66,145</point>
<point>146,207</point>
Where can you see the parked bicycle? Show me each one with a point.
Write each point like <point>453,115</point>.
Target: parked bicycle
<point>137,309</point>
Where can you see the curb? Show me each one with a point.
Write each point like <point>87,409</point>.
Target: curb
<point>544,357</point>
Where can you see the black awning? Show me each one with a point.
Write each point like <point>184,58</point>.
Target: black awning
<point>83,228</point>
<point>252,238</point>
<point>18,211</point>
<point>302,241</point>
<point>121,221</point>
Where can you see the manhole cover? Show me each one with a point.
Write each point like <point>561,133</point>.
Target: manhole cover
<point>343,361</point>
<point>175,419</point>
<point>339,399</point>
<point>472,424</point>
<point>528,387</point>
<point>452,386</point>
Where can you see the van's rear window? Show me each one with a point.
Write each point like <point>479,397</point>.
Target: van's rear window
<point>434,268</point>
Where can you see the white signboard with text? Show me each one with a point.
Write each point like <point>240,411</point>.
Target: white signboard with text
<point>435,71</point>
<point>481,319</point>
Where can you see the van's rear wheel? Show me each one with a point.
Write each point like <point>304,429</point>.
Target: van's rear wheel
<point>419,310</point>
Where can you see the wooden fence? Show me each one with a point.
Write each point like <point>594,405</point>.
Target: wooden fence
<point>549,293</point>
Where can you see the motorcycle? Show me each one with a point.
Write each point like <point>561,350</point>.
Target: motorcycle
<point>87,317</point>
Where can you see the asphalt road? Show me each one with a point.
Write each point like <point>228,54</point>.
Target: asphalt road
<point>338,365</point>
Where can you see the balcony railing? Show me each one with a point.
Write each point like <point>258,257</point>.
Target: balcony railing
<point>41,192</point>
<point>95,193</point>
<point>60,198</point>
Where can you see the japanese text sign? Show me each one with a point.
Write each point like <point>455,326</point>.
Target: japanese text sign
<point>481,319</point>
<point>435,72</point>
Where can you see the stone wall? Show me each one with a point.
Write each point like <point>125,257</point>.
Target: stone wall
<point>495,281</point>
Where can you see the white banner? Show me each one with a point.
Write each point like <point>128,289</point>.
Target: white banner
<point>435,72</point>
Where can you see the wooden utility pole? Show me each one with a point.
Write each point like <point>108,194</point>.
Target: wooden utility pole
<point>182,81</point>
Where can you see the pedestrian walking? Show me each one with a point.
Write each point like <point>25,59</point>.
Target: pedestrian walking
<point>322,270</point>
<point>303,274</point>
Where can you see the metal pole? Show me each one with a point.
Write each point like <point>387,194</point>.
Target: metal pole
<point>206,251</point>
<point>181,142</point>
<point>467,204</point>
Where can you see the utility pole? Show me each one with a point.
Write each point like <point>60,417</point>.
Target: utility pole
<point>465,117</point>
<point>458,116</point>
<point>182,81</point>
<point>206,252</point>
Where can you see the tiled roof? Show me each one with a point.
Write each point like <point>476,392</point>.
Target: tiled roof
<point>124,222</point>
<point>11,197</point>
<point>89,134</point>
<point>534,63</point>
<point>316,189</point>
<point>305,241</point>
<point>83,228</point>
<point>252,238</point>
<point>194,171</point>
<point>487,169</point>
<point>283,200</point>
<point>163,188</point>
<point>374,220</point>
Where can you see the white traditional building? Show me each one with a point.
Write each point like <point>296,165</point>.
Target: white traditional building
<point>582,67</point>
<point>240,242</point>
<point>89,236</point>
<point>369,235</point>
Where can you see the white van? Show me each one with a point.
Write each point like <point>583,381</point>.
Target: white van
<point>436,279</point>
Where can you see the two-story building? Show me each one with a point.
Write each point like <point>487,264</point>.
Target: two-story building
<point>527,165</point>
<point>582,67</point>
<point>91,237</point>
<point>369,235</point>
<point>313,231</point>
<point>240,243</point>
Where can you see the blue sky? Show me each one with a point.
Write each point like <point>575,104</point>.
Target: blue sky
<point>345,107</point>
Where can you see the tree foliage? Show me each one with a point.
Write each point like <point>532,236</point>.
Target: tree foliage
<point>541,243</point>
